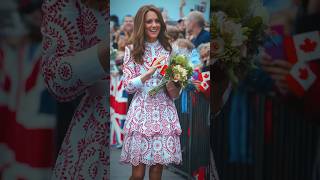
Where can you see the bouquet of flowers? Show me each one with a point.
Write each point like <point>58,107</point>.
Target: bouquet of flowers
<point>179,71</point>
<point>236,36</point>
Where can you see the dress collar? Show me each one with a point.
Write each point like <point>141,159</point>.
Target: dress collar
<point>152,44</point>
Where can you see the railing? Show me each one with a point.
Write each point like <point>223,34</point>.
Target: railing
<point>195,138</point>
<point>277,143</point>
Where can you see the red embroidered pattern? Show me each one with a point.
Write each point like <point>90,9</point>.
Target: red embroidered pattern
<point>87,23</point>
<point>65,71</point>
<point>152,126</point>
<point>69,27</point>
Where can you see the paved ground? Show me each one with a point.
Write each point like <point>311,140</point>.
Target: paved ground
<point>123,172</point>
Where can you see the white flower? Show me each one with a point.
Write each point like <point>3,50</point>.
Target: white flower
<point>234,29</point>
<point>243,51</point>
<point>229,26</point>
<point>238,37</point>
<point>258,9</point>
<point>217,46</point>
<point>180,73</point>
<point>221,17</point>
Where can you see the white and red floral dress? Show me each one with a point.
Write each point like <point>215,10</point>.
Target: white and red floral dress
<point>152,126</point>
<point>71,67</point>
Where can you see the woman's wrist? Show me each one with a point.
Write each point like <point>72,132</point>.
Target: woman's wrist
<point>146,76</point>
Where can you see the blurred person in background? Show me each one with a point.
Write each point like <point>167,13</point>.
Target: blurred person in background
<point>75,62</point>
<point>181,27</point>
<point>127,26</point>
<point>27,110</point>
<point>173,33</point>
<point>114,28</point>
<point>118,100</point>
<point>195,27</point>
<point>122,36</point>
<point>204,50</point>
<point>122,41</point>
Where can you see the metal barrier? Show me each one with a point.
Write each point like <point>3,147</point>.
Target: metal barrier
<point>195,138</point>
<point>281,144</point>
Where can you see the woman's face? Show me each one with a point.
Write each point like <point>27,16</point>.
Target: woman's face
<point>152,26</point>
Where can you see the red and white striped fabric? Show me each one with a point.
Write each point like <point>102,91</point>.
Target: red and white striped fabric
<point>118,109</point>
<point>27,116</point>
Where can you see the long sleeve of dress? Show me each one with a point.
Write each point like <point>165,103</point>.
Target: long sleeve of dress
<point>131,79</point>
<point>67,67</point>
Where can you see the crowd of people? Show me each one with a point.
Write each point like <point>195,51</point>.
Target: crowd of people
<point>275,95</point>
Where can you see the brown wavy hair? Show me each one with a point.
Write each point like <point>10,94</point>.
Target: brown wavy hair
<point>138,36</point>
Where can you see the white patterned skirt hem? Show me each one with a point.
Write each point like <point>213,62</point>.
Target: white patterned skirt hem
<point>151,150</point>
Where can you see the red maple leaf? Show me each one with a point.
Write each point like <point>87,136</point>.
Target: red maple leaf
<point>206,76</point>
<point>303,73</point>
<point>308,45</point>
<point>163,70</point>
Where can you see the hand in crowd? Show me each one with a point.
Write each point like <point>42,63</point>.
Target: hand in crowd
<point>182,3</point>
<point>278,69</point>
<point>196,84</point>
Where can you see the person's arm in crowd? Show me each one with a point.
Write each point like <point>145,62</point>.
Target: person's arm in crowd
<point>277,70</point>
<point>182,4</point>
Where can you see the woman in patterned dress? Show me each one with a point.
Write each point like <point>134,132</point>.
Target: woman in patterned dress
<point>75,62</point>
<point>152,126</point>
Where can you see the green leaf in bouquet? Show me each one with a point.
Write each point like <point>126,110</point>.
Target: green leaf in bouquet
<point>246,31</point>
<point>214,27</point>
<point>189,71</point>
<point>181,60</point>
<point>255,22</point>
<point>234,8</point>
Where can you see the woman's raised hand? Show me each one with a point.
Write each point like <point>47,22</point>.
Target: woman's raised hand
<point>156,64</point>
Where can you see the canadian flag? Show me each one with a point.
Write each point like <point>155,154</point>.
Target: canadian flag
<point>204,86</point>
<point>204,77</point>
<point>303,47</point>
<point>300,49</point>
<point>301,78</point>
